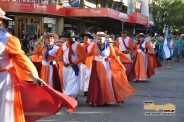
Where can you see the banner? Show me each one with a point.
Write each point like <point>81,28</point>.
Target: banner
<point>31,7</point>
<point>92,12</point>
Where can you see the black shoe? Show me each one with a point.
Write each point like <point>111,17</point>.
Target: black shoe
<point>85,94</point>
<point>122,102</point>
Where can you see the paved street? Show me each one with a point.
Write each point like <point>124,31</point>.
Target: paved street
<point>167,86</point>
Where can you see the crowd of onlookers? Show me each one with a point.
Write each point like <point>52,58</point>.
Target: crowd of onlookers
<point>177,45</point>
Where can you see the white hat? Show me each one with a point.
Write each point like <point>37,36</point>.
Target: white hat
<point>56,37</point>
<point>101,34</point>
<point>142,34</point>
<point>2,15</point>
<point>110,40</point>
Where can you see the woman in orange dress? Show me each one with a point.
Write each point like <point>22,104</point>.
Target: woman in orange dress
<point>15,93</point>
<point>50,53</point>
<point>108,82</point>
<point>145,60</point>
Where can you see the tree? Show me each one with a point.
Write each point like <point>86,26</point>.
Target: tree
<point>168,13</point>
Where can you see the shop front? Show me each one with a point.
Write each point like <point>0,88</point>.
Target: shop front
<point>33,18</point>
<point>36,18</point>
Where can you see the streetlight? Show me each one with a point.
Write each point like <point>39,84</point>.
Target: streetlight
<point>151,23</point>
<point>123,17</point>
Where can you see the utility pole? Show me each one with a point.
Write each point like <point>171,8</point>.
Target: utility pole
<point>82,21</point>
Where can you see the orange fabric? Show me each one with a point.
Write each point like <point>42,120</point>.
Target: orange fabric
<point>82,54</point>
<point>45,72</point>
<point>122,88</point>
<point>140,67</point>
<point>152,61</point>
<point>123,57</point>
<point>61,64</point>
<point>56,76</point>
<point>45,69</point>
<point>117,63</point>
<point>95,52</point>
<point>18,109</point>
<point>21,62</point>
<point>152,65</point>
<point>41,50</point>
<point>106,93</point>
<point>36,58</point>
<point>60,69</point>
<point>89,59</point>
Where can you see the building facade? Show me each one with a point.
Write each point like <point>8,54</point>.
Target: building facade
<point>34,17</point>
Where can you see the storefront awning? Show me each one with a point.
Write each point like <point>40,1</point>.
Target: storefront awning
<point>137,18</point>
<point>92,12</point>
<point>31,7</point>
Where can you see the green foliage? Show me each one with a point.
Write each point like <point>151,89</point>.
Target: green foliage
<point>168,12</point>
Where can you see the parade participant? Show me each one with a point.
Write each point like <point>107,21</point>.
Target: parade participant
<point>124,60</point>
<point>153,44</point>
<point>170,45</point>
<point>145,60</point>
<point>73,54</point>
<point>50,53</point>
<point>160,43</point>
<point>125,44</point>
<point>63,39</point>
<point>17,74</point>
<point>108,82</point>
<point>177,50</point>
<point>85,68</point>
